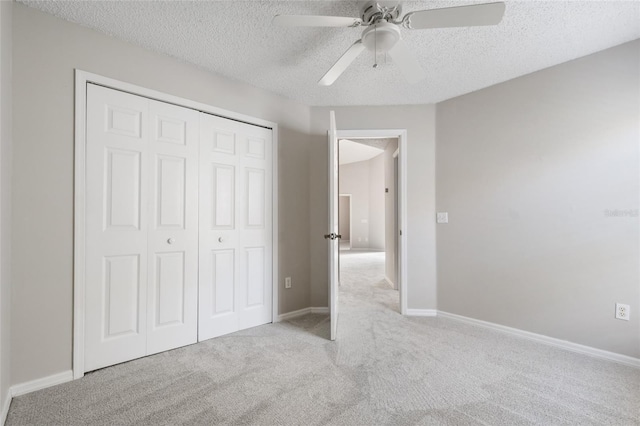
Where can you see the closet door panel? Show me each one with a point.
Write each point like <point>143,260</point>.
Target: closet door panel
<point>116,227</point>
<point>173,237</point>
<point>178,227</point>
<point>141,227</point>
<point>219,269</point>
<point>235,226</point>
<point>255,234</point>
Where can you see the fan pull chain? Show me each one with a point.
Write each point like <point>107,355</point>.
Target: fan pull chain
<point>375,46</point>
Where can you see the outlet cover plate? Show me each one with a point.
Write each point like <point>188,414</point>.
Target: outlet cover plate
<point>287,282</point>
<point>442,217</point>
<point>623,311</point>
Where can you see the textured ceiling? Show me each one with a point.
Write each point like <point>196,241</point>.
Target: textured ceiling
<point>351,151</point>
<point>380,143</point>
<point>236,39</point>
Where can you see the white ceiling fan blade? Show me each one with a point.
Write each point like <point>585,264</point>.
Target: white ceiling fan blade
<point>345,60</point>
<point>460,16</point>
<point>408,64</point>
<point>315,21</point>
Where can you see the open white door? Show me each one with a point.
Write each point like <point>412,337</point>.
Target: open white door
<point>333,236</point>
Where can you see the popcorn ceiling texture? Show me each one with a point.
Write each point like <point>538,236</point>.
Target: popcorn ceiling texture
<point>237,40</point>
<point>376,143</point>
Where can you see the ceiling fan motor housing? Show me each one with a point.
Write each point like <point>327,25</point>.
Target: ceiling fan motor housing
<point>376,10</point>
<point>381,37</point>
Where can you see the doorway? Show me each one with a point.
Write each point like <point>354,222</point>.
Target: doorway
<point>333,235</point>
<point>369,184</point>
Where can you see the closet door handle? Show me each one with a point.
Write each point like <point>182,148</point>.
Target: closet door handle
<point>170,241</point>
<point>220,239</point>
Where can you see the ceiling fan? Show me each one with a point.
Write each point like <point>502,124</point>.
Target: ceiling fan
<point>382,32</point>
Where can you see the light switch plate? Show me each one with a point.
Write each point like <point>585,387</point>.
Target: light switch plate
<point>442,217</point>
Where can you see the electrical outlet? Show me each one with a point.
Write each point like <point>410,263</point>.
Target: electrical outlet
<point>287,282</point>
<point>622,311</point>
<point>442,217</point>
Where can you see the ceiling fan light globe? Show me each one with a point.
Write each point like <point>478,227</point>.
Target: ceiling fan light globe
<point>381,37</point>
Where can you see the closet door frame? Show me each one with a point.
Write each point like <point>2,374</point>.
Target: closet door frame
<point>82,79</point>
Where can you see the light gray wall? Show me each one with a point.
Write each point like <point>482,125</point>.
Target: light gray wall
<point>45,52</point>
<point>354,180</point>
<point>364,180</point>
<point>419,120</point>
<point>5,198</point>
<point>344,211</point>
<point>390,213</point>
<point>527,170</point>
<point>376,202</point>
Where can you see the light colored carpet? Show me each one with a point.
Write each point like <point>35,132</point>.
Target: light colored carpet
<point>384,369</point>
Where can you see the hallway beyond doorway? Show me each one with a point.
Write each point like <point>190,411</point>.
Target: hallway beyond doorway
<point>363,284</point>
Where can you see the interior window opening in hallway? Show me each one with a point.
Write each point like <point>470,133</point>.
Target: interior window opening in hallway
<point>368,224</point>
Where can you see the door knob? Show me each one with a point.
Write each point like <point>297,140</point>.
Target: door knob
<point>220,239</point>
<point>170,241</point>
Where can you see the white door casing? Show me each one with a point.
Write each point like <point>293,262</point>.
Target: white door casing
<point>142,251</point>
<point>396,222</point>
<point>235,226</point>
<point>333,240</point>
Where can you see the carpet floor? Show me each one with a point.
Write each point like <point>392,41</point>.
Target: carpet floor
<point>384,369</point>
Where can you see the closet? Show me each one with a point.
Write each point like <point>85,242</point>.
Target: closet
<point>178,226</point>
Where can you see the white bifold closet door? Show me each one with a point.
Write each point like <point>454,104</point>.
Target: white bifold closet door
<point>235,226</point>
<point>141,276</point>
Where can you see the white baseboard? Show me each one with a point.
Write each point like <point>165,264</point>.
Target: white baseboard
<point>388,280</point>
<point>45,382</point>
<point>301,312</point>
<point>421,312</point>
<point>294,314</point>
<point>551,341</point>
<point>5,407</point>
